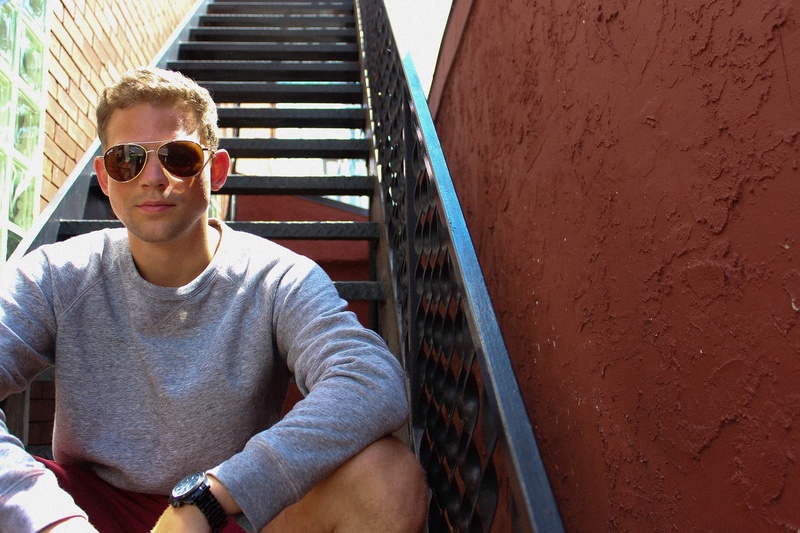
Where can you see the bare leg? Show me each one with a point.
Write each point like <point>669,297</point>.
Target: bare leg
<point>380,489</point>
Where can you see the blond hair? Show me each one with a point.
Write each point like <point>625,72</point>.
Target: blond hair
<point>159,87</point>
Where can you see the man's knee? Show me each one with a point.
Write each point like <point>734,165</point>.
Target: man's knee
<point>387,478</point>
<point>396,458</point>
<point>382,488</point>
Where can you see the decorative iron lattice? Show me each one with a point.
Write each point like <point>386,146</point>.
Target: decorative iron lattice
<point>473,435</point>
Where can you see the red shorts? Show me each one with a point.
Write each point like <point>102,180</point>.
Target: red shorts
<point>112,510</point>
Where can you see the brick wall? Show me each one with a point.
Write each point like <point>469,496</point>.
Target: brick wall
<point>40,421</point>
<point>91,43</point>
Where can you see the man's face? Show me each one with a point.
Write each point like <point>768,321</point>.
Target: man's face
<point>157,207</point>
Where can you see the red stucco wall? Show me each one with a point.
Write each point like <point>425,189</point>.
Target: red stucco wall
<point>629,173</point>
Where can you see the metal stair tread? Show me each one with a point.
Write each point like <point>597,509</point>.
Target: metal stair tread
<point>301,185</point>
<point>242,184</point>
<point>308,21</point>
<point>236,8</point>
<point>361,290</point>
<point>272,117</point>
<point>275,230</point>
<point>239,50</point>
<point>296,148</point>
<point>273,34</point>
<point>276,92</point>
<point>268,70</point>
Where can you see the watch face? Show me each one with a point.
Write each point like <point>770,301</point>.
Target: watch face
<point>188,484</point>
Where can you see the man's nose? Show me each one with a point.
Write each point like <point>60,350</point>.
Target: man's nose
<point>153,173</point>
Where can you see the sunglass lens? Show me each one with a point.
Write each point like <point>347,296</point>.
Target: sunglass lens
<point>124,161</point>
<point>183,159</point>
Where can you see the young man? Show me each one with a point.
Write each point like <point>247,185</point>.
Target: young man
<point>173,341</point>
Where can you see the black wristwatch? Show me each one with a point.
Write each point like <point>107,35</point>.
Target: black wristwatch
<point>195,490</point>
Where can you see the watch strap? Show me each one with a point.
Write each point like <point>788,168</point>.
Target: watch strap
<point>213,511</point>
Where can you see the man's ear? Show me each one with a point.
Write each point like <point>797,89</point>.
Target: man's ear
<point>102,176</point>
<point>220,166</point>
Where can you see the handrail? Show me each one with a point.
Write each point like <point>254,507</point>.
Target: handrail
<point>474,437</point>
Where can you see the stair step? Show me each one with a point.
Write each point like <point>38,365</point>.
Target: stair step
<point>346,231</point>
<point>303,186</point>
<point>296,148</point>
<point>350,231</point>
<point>274,21</point>
<point>237,8</point>
<point>281,185</point>
<point>361,290</point>
<point>274,34</point>
<point>276,92</point>
<point>269,70</point>
<point>233,50</point>
<point>271,117</point>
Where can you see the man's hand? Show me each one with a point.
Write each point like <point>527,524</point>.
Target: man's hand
<point>76,524</point>
<point>183,519</point>
<point>190,519</point>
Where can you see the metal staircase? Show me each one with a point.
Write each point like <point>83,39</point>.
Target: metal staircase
<point>301,56</point>
<point>330,69</point>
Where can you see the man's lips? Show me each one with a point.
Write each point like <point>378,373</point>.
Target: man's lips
<point>155,206</point>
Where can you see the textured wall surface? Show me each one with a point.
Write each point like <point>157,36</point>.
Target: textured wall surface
<point>629,173</point>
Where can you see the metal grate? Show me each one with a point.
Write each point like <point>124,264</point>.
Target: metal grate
<point>473,434</point>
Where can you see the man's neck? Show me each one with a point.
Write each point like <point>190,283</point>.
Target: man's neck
<point>174,265</point>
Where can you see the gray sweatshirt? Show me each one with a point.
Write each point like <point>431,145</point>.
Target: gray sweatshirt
<point>153,383</point>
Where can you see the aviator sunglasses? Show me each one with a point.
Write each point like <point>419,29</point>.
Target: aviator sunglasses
<point>182,159</point>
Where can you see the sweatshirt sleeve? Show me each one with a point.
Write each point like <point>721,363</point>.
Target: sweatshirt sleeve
<point>30,498</point>
<point>354,394</point>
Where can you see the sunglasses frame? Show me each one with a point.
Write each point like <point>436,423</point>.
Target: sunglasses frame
<point>147,157</point>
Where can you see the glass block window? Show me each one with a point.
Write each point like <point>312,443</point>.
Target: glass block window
<point>23,28</point>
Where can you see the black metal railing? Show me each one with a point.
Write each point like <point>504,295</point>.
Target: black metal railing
<point>473,433</point>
